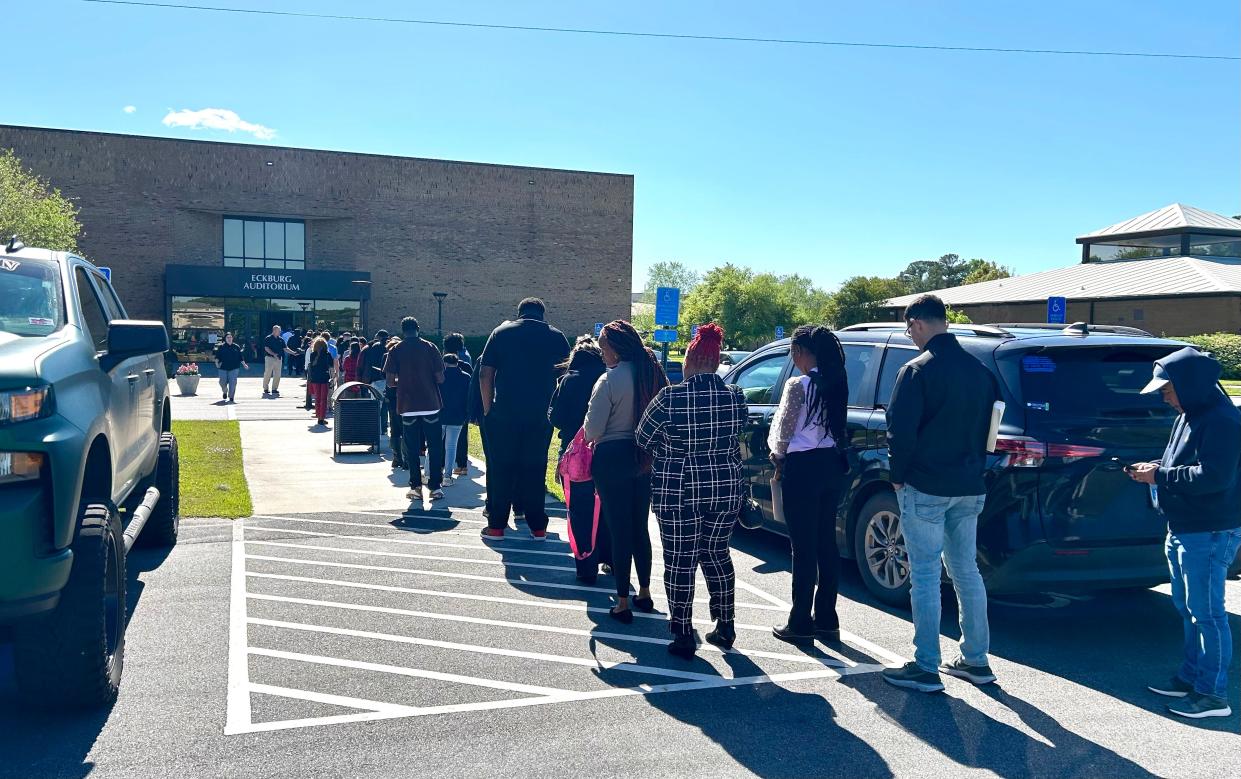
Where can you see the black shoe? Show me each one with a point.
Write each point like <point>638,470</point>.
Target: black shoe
<point>624,617</point>
<point>974,674</point>
<point>645,604</point>
<point>828,635</point>
<point>796,637</point>
<point>224,395</point>
<point>1199,706</point>
<point>684,647</point>
<point>275,394</point>
<point>605,569</point>
<point>912,677</point>
<point>588,580</point>
<point>724,635</point>
<point>1175,688</point>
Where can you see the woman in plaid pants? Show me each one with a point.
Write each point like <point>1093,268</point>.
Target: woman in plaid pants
<point>692,429</point>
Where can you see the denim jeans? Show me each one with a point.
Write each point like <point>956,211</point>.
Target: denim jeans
<point>418,430</point>
<point>1199,564</point>
<point>452,435</point>
<point>228,382</point>
<point>935,527</point>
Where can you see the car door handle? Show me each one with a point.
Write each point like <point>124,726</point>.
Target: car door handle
<point>149,372</point>
<point>758,418</point>
<point>131,378</point>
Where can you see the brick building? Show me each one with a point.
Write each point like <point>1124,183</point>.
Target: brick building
<point>1173,271</point>
<point>224,236</point>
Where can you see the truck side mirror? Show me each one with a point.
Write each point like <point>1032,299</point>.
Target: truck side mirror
<point>134,338</point>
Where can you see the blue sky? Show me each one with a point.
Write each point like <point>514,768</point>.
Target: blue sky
<point>827,162</point>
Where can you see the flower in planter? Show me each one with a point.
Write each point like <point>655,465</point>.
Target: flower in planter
<point>188,369</point>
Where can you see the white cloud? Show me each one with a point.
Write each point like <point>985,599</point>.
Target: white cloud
<point>217,119</point>
<point>129,109</point>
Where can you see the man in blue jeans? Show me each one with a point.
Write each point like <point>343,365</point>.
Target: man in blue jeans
<point>938,422</point>
<point>1196,486</point>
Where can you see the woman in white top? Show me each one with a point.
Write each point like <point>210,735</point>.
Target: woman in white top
<point>808,439</point>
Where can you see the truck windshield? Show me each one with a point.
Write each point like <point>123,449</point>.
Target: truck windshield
<point>30,299</point>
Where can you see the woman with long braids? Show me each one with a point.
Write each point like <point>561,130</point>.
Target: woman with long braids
<point>692,428</point>
<point>809,436</point>
<point>621,471</point>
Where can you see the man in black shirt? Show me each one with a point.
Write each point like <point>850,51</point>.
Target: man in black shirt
<point>517,374</point>
<point>274,349</point>
<point>228,359</point>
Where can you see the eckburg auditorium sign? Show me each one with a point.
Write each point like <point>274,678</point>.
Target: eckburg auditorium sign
<point>215,281</point>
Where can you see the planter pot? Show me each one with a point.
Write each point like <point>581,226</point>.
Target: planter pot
<point>188,384</point>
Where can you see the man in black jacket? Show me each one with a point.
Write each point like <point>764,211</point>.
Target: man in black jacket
<point>371,371</point>
<point>1196,485</point>
<point>938,423</point>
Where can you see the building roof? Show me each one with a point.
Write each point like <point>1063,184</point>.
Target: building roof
<point>1169,219</point>
<point>1151,277</point>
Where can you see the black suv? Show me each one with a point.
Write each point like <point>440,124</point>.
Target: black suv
<point>1060,514</point>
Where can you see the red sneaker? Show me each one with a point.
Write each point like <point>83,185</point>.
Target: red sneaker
<point>492,532</point>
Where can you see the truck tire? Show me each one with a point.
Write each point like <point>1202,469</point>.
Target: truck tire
<point>161,527</point>
<point>72,658</point>
<point>879,548</point>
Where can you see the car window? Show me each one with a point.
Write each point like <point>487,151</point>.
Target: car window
<point>111,304</point>
<point>858,358</point>
<point>894,358</point>
<point>758,379</point>
<point>94,320</point>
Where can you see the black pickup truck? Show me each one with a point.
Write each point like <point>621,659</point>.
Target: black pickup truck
<point>87,463</point>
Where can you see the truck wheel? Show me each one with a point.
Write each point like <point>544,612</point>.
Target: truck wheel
<point>72,658</point>
<point>879,547</point>
<point>161,527</point>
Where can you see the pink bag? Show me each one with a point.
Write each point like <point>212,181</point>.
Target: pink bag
<point>575,467</point>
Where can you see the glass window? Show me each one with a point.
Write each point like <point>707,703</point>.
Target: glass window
<point>273,248</point>
<point>338,315</point>
<point>254,239</point>
<point>758,380</point>
<point>893,360</point>
<point>233,238</point>
<point>30,303</point>
<point>295,265</point>
<point>253,263</point>
<point>857,362</point>
<point>274,264</point>
<point>1136,248</point>
<point>94,320</point>
<point>1215,245</point>
<point>295,240</point>
<point>1098,383</point>
<point>233,262</point>
<point>112,306</point>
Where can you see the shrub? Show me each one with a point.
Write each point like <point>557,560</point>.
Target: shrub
<point>1225,347</point>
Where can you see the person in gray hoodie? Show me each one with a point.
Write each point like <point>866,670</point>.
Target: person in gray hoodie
<point>1196,485</point>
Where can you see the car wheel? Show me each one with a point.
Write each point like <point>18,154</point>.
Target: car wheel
<point>162,526</point>
<point>879,546</point>
<point>72,657</point>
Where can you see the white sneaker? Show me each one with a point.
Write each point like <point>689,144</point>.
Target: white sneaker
<point>447,482</point>
<point>437,495</point>
<point>414,493</point>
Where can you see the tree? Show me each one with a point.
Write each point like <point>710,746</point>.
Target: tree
<point>750,306</point>
<point>860,298</point>
<point>669,273</point>
<point>37,215</point>
<point>985,270</point>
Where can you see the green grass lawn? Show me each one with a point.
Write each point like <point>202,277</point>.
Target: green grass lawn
<point>212,482</point>
<point>1233,387</point>
<point>553,482</point>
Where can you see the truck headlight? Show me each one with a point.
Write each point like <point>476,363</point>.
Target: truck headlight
<point>19,466</point>
<point>23,404</point>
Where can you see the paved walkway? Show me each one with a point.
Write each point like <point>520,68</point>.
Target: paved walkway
<point>289,461</point>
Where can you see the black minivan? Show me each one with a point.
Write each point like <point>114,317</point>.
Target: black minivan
<point>1061,515</point>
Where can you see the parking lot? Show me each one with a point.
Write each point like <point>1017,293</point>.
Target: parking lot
<point>391,643</point>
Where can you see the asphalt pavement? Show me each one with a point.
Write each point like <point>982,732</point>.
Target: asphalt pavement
<point>396,643</point>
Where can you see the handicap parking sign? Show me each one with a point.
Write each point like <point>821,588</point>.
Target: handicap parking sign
<point>667,307</point>
<point>779,331</point>
<point>598,329</point>
<point>1056,310</point>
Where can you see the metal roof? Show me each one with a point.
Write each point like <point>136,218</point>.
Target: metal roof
<point>1169,219</point>
<point>1152,277</point>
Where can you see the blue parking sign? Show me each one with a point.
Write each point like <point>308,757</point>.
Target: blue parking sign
<point>1057,308</point>
<point>667,307</point>
<point>779,332</point>
<point>665,336</point>
<point>107,272</point>
<point>598,329</point>
<point>693,333</point>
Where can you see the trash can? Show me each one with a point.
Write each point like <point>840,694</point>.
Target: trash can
<point>355,406</point>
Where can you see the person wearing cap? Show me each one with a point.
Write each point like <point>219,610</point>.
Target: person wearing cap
<point>1197,487</point>
<point>692,429</point>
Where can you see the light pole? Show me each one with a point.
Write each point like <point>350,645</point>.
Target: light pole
<point>439,321</point>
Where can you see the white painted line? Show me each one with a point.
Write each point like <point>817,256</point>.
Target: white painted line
<point>750,588</point>
<point>407,555</point>
<point>874,649</point>
<point>542,604</point>
<point>396,517</point>
<point>471,577</point>
<point>385,540</point>
<point>831,662</point>
<point>403,671</point>
<point>549,543</point>
<point>238,719</point>
<point>486,650</point>
<point>334,700</point>
<point>401,528</point>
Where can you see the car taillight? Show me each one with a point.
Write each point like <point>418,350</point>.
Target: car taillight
<point>1028,453</point>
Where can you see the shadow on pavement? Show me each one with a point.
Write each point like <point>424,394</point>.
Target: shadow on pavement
<point>35,743</point>
<point>972,738</point>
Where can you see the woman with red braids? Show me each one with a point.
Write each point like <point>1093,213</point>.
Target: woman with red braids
<point>692,429</point>
<point>621,473</point>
